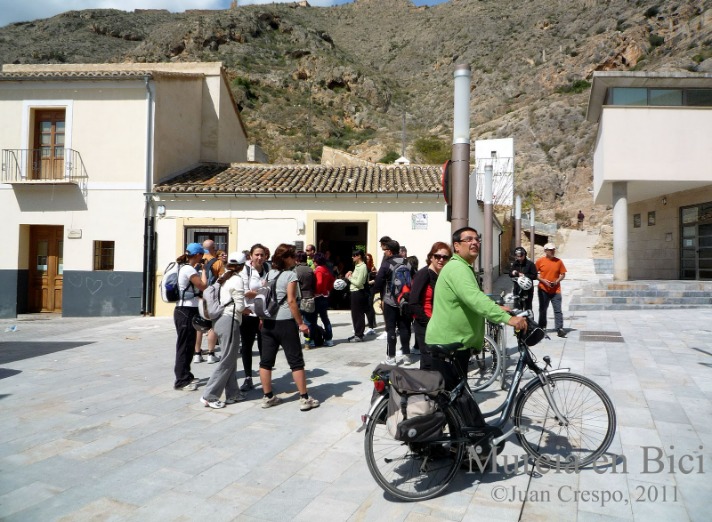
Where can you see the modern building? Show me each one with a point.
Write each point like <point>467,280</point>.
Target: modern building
<point>652,163</point>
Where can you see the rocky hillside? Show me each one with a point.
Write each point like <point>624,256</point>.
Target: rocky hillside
<point>345,76</point>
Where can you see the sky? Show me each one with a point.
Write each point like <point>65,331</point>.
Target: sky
<point>22,11</point>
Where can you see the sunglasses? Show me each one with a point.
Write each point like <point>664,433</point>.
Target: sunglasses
<point>441,257</point>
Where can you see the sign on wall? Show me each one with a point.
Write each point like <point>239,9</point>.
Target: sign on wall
<point>419,221</point>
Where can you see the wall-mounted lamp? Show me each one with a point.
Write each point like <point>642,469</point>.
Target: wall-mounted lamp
<point>301,226</point>
<point>161,210</point>
<point>664,200</point>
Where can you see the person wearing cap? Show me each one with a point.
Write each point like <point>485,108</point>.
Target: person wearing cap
<point>227,329</point>
<point>190,284</point>
<point>521,266</point>
<point>551,272</point>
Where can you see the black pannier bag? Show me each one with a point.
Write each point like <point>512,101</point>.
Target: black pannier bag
<point>412,408</point>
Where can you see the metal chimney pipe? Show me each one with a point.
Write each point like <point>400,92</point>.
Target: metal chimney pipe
<point>531,232</point>
<point>488,232</point>
<point>518,221</point>
<point>461,148</point>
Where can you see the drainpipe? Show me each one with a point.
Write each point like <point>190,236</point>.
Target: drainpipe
<point>149,219</point>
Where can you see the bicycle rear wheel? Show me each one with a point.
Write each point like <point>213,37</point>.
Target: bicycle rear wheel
<point>412,471</point>
<point>591,422</point>
<point>484,366</point>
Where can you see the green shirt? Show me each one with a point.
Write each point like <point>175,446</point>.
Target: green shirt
<point>460,307</point>
<point>359,277</point>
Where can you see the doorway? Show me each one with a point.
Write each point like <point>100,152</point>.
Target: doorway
<point>48,151</point>
<point>46,268</point>
<point>696,248</point>
<point>340,239</point>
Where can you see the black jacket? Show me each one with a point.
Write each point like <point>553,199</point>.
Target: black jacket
<point>423,278</point>
<point>526,268</point>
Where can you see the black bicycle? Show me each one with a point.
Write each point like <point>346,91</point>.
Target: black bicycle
<point>562,420</point>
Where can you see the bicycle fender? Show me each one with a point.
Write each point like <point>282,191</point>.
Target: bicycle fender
<point>533,382</point>
<point>365,418</point>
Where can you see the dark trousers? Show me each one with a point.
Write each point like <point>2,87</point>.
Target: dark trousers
<point>425,357</point>
<point>370,312</point>
<point>322,310</point>
<point>284,333</point>
<point>249,331</point>
<point>310,320</point>
<point>185,344</point>
<point>394,320</point>
<point>359,305</point>
<point>555,299</point>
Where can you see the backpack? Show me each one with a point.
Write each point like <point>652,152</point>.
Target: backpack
<point>398,289</point>
<point>170,292</point>
<point>413,415</point>
<point>211,308</point>
<point>209,270</point>
<point>266,305</point>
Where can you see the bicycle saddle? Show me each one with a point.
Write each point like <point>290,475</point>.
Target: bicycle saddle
<point>444,351</point>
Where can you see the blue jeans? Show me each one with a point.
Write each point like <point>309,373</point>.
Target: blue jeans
<point>321,305</point>
<point>555,299</point>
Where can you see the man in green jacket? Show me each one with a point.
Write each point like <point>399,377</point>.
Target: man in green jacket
<point>460,307</point>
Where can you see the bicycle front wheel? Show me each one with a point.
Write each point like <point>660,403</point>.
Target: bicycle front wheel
<point>579,439</point>
<point>484,366</point>
<point>412,471</point>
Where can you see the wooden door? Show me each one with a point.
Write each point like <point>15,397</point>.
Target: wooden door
<point>48,150</point>
<point>46,268</point>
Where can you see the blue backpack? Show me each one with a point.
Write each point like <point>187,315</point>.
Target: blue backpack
<point>398,289</point>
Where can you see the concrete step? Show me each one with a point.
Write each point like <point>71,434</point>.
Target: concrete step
<point>636,295</point>
<point>644,300</point>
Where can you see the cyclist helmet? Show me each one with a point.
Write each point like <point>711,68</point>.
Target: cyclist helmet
<point>201,325</point>
<point>524,282</point>
<point>520,251</point>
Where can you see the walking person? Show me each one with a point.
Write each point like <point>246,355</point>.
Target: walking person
<point>551,271</point>
<point>284,330</point>
<point>227,329</point>
<point>324,283</point>
<point>521,266</point>
<point>253,276</point>
<point>307,289</point>
<point>580,217</point>
<point>392,315</point>
<point>190,285</point>
<point>421,297</point>
<point>358,282</point>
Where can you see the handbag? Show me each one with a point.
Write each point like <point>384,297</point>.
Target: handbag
<point>307,305</point>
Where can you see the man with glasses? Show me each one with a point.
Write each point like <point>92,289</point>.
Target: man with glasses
<point>521,266</point>
<point>310,250</point>
<point>460,307</point>
<point>551,272</point>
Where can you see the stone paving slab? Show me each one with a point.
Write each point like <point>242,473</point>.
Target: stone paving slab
<point>91,429</point>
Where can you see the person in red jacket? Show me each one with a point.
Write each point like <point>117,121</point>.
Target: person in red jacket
<point>324,284</point>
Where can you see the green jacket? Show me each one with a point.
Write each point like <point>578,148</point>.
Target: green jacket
<point>460,307</point>
<point>359,277</point>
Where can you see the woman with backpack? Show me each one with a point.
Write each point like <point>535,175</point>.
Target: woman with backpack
<point>421,297</point>
<point>190,284</point>
<point>227,329</point>
<point>284,330</point>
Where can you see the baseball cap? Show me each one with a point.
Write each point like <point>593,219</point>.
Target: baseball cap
<point>550,246</point>
<point>236,258</point>
<point>194,248</point>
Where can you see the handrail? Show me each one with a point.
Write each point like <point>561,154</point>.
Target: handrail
<point>38,165</point>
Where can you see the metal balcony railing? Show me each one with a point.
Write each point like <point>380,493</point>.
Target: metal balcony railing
<point>54,165</point>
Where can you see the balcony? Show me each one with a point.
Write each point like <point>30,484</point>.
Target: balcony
<point>44,166</point>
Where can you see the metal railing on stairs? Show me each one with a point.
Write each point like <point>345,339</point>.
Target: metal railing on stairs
<point>46,165</point>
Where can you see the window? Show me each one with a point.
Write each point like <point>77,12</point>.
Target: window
<point>651,218</point>
<point>103,255</point>
<point>660,97</point>
<point>629,96</point>
<point>636,220</point>
<point>665,97</point>
<point>200,234</point>
<point>699,97</point>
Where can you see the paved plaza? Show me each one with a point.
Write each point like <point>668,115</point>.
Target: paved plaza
<point>92,429</point>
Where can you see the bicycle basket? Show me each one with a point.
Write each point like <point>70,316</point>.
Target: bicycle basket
<point>533,335</point>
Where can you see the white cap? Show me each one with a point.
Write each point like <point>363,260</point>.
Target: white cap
<point>236,258</point>
<point>550,246</point>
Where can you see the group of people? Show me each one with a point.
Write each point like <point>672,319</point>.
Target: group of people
<point>441,304</point>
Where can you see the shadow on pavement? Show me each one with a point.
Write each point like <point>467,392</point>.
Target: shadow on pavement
<point>19,350</point>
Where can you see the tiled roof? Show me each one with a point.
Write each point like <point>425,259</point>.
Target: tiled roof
<point>305,179</point>
<point>90,75</point>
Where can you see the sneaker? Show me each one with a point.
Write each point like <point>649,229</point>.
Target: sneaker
<point>308,404</point>
<point>560,332</point>
<point>212,358</point>
<point>189,387</point>
<point>414,351</point>
<point>307,346</point>
<point>198,358</point>
<point>406,360</point>
<point>216,404</point>
<point>329,343</point>
<point>370,331</point>
<point>391,361</point>
<point>247,385</point>
<point>355,339</point>
<point>268,403</point>
<point>237,398</point>
<point>382,337</point>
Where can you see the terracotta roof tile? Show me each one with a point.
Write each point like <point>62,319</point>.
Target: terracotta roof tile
<point>304,179</point>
